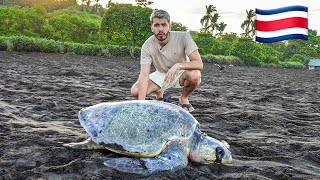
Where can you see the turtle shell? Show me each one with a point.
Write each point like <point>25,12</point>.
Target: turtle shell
<point>137,128</point>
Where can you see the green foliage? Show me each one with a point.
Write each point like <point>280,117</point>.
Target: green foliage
<point>178,27</point>
<point>222,48</point>
<point>131,22</point>
<point>248,51</point>
<point>95,9</point>
<point>63,25</point>
<point>23,43</point>
<point>299,58</point>
<point>204,42</point>
<point>5,44</point>
<point>123,51</point>
<point>84,49</point>
<point>95,50</point>
<point>26,21</point>
<point>269,55</point>
<point>229,37</point>
<point>220,59</point>
<point>309,48</point>
<point>193,33</point>
<point>29,44</point>
<point>208,44</point>
<point>50,5</point>
<point>73,26</point>
<point>96,19</point>
<point>312,47</point>
<point>289,64</point>
<point>271,65</point>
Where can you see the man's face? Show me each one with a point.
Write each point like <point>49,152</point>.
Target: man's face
<point>160,28</point>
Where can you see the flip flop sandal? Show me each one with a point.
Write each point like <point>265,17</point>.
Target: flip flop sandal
<point>186,106</point>
<point>166,97</point>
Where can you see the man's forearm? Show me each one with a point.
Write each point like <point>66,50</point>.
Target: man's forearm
<point>143,87</point>
<point>192,65</point>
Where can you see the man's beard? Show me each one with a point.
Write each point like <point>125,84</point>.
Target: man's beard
<point>165,36</point>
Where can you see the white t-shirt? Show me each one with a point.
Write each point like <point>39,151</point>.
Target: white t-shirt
<point>177,50</point>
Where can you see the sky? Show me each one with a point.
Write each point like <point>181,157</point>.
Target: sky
<point>232,12</point>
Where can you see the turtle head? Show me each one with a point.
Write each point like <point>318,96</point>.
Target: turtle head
<point>87,122</point>
<point>209,151</point>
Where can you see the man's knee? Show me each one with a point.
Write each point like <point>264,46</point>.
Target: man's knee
<point>134,90</point>
<point>152,87</point>
<point>194,76</point>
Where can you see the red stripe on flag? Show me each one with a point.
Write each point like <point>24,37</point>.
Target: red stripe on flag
<point>295,22</point>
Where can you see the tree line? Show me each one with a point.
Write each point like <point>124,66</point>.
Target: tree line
<point>128,25</point>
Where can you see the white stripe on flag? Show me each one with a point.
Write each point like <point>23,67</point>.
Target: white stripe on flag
<point>282,32</point>
<point>282,16</point>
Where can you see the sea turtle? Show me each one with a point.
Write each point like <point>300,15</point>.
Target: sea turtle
<point>159,135</point>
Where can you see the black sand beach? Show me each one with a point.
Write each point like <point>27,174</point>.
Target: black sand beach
<point>270,118</point>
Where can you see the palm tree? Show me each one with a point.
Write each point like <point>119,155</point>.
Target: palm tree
<point>249,24</point>
<point>213,22</point>
<point>143,3</point>
<point>221,27</point>
<point>206,19</point>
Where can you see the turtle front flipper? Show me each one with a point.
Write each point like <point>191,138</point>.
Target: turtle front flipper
<point>171,159</point>
<point>85,145</point>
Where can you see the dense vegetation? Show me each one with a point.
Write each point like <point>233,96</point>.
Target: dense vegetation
<point>121,29</point>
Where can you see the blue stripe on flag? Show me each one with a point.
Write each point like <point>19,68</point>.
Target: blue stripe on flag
<point>281,38</point>
<point>281,10</point>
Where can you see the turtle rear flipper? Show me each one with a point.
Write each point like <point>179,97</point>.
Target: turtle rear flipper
<point>85,145</point>
<point>171,159</point>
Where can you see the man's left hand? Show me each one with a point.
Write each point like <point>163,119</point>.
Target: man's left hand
<point>171,74</point>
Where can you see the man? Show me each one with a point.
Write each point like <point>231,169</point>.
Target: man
<point>175,57</point>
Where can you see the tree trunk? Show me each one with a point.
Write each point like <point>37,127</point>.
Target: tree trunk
<point>132,48</point>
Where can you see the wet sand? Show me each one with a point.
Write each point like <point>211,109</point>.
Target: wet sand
<point>270,117</point>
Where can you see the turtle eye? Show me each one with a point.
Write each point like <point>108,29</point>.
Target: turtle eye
<point>219,154</point>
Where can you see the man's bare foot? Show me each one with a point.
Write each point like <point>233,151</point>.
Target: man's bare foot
<point>159,94</point>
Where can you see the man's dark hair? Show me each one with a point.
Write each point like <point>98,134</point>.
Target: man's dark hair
<point>159,13</point>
